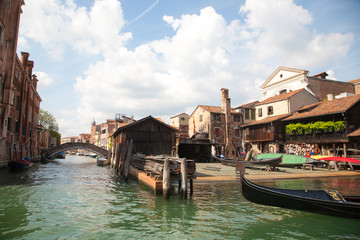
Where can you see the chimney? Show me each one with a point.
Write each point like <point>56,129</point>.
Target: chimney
<point>225,101</point>
<point>29,67</point>
<point>24,58</point>
<point>330,96</point>
<point>357,88</point>
<point>226,109</point>
<point>35,81</point>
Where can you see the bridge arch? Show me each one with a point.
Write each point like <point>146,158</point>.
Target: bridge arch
<point>68,146</point>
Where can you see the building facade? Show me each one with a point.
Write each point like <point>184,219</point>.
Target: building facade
<point>181,122</point>
<point>284,80</point>
<point>266,133</point>
<point>331,128</point>
<point>69,139</point>
<point>218,124</point>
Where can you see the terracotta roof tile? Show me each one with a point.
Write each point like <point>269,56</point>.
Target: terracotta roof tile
<point>179,115</point>
<point>354,81</point>
<point>330,107</point>
<point>355,133</point>
<point>214,109</point>
<point>250,104</point>
<point>280,97</point>
<point>266,120</point>
<point>307,107</point>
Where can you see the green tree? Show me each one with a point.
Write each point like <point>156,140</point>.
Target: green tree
<point>48,121</point>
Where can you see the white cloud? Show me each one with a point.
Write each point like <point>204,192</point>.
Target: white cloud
<point>285,35</point>
<point>166,75</point>
<point>56,25</point>
<point>44,80</point>
<point>174,74</point>
<point>331,74</point>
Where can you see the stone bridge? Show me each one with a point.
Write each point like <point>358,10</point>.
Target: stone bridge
<point>68,146</point>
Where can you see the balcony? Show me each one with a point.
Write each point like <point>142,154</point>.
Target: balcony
<point>321,137</point>
<point>258,136</point>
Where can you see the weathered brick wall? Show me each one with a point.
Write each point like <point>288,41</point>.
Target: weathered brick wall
<point>322,87</point>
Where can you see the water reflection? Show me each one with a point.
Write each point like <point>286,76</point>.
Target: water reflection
<point>74,198</point>
<point>344,185</point>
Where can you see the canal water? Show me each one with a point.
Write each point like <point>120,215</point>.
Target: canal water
<point>73,198</point>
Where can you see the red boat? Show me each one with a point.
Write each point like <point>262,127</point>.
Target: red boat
<point>340,159</point>
<point>20,164</point>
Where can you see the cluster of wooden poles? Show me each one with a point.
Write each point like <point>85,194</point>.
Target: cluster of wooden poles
<point>156,169</point>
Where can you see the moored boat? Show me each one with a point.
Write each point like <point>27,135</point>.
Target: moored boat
<point>272,162</point>
<point>341,159</point>
<point>60,155</point>
<point>322,202</point>
<point>290,160</point>
<point>102,161</point>
<point>20,164</point>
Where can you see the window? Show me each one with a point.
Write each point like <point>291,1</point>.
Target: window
<point>282,91</point>
<point>270,110</point>
<point>30,114</point>
<point>103,131</point>
<point>236,118</point>
<point>217,132</point>
<point>9,124</point>
<point>237,132</point>
<point>216,117</point>
<point>12,97</point>
<point>182,119</point>
<point>247,114</point>
<point>260,112</point>
<point>200,117</point>
<point>252,114</point>
<point>17,127</point>
<point>1,35</point>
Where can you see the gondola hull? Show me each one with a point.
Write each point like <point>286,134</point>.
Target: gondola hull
<point>260,162</point>
<point>309,201</point>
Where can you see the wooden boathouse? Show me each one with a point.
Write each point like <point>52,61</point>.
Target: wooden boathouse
<point>149,137</point>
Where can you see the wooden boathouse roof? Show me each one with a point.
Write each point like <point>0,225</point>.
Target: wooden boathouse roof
<point>130,125</point>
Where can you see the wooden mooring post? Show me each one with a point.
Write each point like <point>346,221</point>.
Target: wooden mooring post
<point>128,160</point>
<point>166,178</point>
<point>184,176</point>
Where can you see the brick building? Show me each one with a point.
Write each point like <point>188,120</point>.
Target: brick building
<point>19,100</point>
<point>219,125</point>
<point>181,122</point>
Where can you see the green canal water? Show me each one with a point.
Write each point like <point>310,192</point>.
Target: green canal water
<point>73,198</point>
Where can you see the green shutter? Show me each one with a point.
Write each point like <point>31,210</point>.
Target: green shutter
<point>252,114</point>
<point>247,113</point>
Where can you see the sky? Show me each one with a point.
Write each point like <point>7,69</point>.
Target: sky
<point>95,59</point>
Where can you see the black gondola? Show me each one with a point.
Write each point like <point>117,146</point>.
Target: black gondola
<point>271,162</point>
<point>322,202</point>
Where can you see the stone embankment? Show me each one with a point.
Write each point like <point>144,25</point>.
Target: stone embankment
<point>216,172</point>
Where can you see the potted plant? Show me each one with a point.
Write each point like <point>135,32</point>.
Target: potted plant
<point>307,128</point>
<point>317,127</point>
<point>290,129</point>
<point>299,128</point>
<point>328,126</point>
<point>339,126</point>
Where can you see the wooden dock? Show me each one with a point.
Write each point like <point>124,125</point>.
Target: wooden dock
<point>157,172</point>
